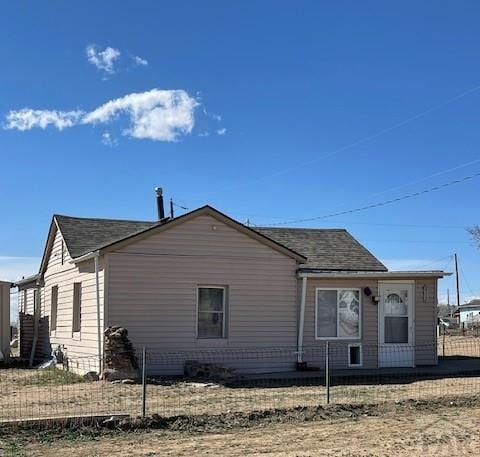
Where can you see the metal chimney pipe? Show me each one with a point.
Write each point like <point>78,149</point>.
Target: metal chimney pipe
<point>160,208</point>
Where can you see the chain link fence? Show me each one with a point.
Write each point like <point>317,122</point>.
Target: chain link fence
<point>234,380</point>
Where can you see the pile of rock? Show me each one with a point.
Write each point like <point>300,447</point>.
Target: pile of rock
<point>120,360</point>
<point>195,369</point>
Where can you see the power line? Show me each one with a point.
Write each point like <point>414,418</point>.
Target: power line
<point>380,224</point>
<point>466,281</point>
<point>180,206</point>
<point>380,204</point>
<point>359,141</point>
<point>419,241</point>
<point>425,178</point>
<point>435,262</point>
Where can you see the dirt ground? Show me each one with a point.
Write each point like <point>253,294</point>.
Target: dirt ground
<point>28,398</point>
<point>32,394</point>
<point>403,430</point>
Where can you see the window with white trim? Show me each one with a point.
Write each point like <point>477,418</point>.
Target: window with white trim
<point>211,312</point>
<point>337,313</point>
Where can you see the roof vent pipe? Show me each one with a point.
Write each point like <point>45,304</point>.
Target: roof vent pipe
<point>160,208</point>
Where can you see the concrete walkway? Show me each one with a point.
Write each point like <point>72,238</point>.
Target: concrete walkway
<point>447,367</point>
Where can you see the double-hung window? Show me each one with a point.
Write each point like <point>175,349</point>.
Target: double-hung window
<point>337,313</point>
<point>211,312</point>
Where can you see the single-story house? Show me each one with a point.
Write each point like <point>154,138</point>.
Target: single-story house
<point>205,282</point>
<point>469,313</point>
<point>4,320</point>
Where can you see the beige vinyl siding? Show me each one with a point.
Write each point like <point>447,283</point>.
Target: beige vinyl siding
<point>426,322</point>
<point>26,300</point>
<point>153,293</point>
<point>315,349</point>
<point>81,346</point>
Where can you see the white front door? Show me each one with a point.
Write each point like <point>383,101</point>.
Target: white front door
<point>396,325</point>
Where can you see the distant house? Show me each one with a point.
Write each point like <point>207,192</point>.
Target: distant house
<point>203,281</point>
<point>469,313</point>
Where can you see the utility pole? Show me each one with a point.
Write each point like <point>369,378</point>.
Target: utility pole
<point>171,208</point>
<point>448,303</point>
<point>456,279</point>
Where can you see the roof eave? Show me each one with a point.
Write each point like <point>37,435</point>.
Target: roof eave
<point>374,274</point>
<point>88,256</point>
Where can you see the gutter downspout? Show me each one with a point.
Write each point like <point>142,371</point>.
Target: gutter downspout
<point>99,330</point>
<point>301,321</point>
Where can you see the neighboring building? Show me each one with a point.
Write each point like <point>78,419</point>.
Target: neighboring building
<point>205,282</point>
<point>469,313</point>
<point>4,320</point>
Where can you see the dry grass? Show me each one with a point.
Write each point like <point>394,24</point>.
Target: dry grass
<point>443,431</point>
<point>31,394</point>
<point>28,394</point>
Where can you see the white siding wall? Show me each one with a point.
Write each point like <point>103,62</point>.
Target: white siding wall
<point>84,344</point>
<point>153,286</point>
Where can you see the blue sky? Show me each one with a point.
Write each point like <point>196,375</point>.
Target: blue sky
<point>271,111</point>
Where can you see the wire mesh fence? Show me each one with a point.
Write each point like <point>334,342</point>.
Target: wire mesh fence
<point>245,380</point>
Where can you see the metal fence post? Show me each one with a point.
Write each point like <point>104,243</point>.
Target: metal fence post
<point>144,382</point>
<point>327,371</point>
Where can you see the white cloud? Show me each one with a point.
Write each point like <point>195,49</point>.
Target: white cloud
<point>160,115</point>
<point>214,116</point>
<point>103,60</point>
<point>14,268</point>
<point>140,62</point>
<point>204,134</point>
<point>108,139</point>
<point>222,131</point>
<point>26,119</point>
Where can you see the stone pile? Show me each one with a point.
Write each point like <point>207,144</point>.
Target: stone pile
<point>120,360</point>
<point>195,369</point>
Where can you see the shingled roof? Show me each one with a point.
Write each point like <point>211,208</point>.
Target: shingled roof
<point>325,249</point>
<point>83,235</point>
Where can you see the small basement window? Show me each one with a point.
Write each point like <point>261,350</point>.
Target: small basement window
<point>354,355</point>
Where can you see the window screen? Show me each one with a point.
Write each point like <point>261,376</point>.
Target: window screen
<point>211,312</point>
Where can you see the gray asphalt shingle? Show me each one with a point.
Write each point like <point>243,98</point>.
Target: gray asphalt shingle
<point>325,249</point>
<point>83,235</point>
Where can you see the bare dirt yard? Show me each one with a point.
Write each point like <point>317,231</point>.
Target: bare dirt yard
<point>442,428</point>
